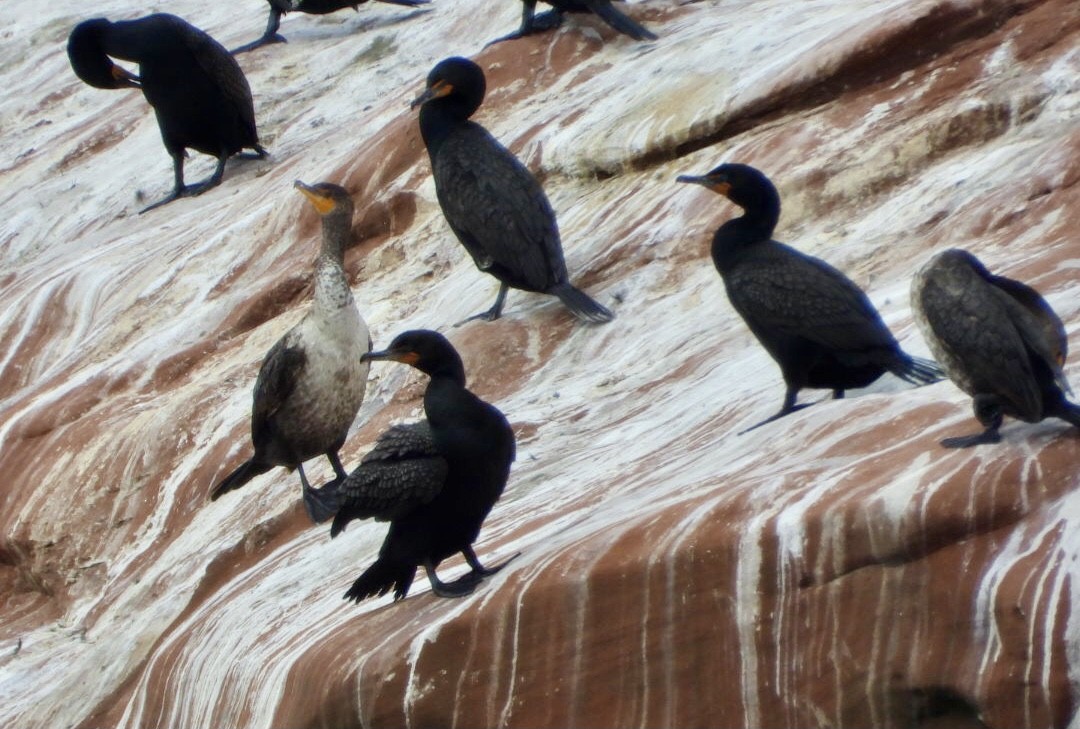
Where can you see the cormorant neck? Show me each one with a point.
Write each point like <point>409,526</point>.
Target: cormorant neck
<point>736,235</point>
<point>440,117</point>
<point>448,369</point>
<point>336,230</point>
<point>761,206</point>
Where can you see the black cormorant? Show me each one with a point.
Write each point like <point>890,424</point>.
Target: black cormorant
<point>814,321</point>
<point>532,23</point>
<point>200,96</point>
<point>435,481</point>
<point>311,7</point>
<point>312,381</point>
<point>997,339</point>
<point>492,202</point>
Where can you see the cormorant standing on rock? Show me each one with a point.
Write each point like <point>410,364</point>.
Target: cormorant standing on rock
<point>311,7</point>
<point>435,481</point>
<point>532,23</point>
<point>997,339</point>
<point>200,96</point>
<point>312,381</point>
<point>814,321</point>
<point>492,202</point>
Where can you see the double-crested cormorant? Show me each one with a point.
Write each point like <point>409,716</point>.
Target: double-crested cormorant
<point>997,339</point>
<point>435,481</point>
<point>532,23</point>
<point>311,7</point>
<point>200,95</point>
<point>814,321</point>
<point>491,201</point>
<point>312,381</point>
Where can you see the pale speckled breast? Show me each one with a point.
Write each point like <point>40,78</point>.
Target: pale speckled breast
<point>331,388</point>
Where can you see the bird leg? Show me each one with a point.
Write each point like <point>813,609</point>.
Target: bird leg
<point>320,504</point>
<point>988,412</point>
<point>259,153</point>
<point>458,588</point>
<point>268,37</point>
<point>787,408</point>
<point>532,23</point>
<point>496,309</point>
<point>838,394</point>
<point>178,183</point>
<point>212,181</point>
<point>481,570</point>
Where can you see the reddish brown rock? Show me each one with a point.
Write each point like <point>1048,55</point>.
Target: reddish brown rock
<point>836,568</point>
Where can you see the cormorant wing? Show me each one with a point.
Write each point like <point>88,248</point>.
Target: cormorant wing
<point>404,470</point>
<point>277,378</point>
<point>1053,345</point>
<point>222,67</point>
<point>1037,325</point>
<point>783,290</point>
<point>498,210</point>
<point>972,322</point>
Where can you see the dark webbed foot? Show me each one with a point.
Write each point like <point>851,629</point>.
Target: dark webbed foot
<point>264,41</point>
<point>479,569</point>
<point>174,195</point>
<point>777,416</point>
<point>541,23</point>
<point>323,503</point>
<point>460,587</point>
<point>990,435</point>
<point>489,315</point>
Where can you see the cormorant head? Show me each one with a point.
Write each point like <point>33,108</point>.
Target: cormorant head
<point>89,60</point>
<point>458,81</point>
<point>327,198</point>
<point>427,351</point>
<point>744,185</point>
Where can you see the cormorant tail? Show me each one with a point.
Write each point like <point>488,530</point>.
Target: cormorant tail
<point>341,518</point>
<point>581,305</point>
<point>248,470</point>
<point>620,22</point>
<point>380,578</point>
<point>917,371</point>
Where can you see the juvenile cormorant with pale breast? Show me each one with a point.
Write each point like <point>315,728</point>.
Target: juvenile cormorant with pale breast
<point>532,23</point>
<point>311,7</point>
<point>312,381</point>
<point>492,202</point>
<point>435,481</point>
<point>200,96</point>
<point>998,340</point>
<point>812,319</point>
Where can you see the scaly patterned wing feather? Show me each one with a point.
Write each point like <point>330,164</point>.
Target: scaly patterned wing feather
<point>498,210</point>
<point>404,470</point>
<point>783,290</point>
<point>985,353</point>
<point>221,66</point>
<point>276,381</point>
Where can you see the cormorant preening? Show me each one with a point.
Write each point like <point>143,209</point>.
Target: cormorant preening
<point>532,23</point>
<point>312,381</point>
<point>311,7</point>
<point>819,326</point>
<point>200,95</point>
<point>435,481</point>
<point>492,202</point>
<point>997,339</point>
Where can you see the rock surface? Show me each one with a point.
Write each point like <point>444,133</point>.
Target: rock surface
<point>836,568</point>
